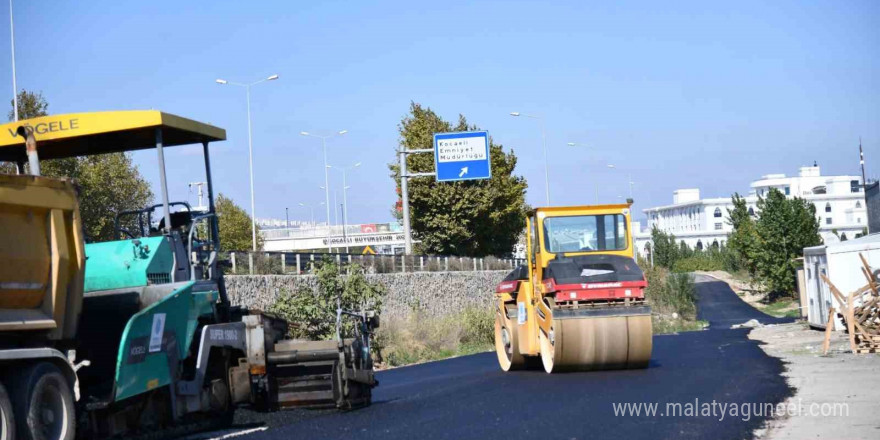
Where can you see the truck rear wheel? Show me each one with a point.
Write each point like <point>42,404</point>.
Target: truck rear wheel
<point>43,400</point>
<point>7,422</point>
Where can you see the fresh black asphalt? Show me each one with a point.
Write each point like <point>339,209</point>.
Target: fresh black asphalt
<point>718,304</point>
<point>471,398</point>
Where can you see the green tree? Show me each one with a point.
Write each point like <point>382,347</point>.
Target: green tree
<point>784,228</point>
<point>470,218</point>
<point>313,311</point>
<point>106,184</point>
<point>666,251</point>
<point>743,241</point>
<point>235,226</point>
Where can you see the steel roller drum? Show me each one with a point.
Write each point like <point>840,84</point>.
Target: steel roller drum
<point>618,341</point>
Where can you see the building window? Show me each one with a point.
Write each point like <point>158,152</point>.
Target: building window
<point>828,207</point>
<point>858,204</point>
<point>854,186</point>
<point>717,226</point>
<point>715,244</point>
<point>858,220</point>
<point>699,246</point>
<point>787,191</point>
<point>717,212</point>
<point>751,212</point>
<point>827,220</point>
<point>843,236</point>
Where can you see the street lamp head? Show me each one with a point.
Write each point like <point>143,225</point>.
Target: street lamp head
<point>514,113</point>
<point>272,78</point>
<point>343,132</point>
<point>221,81</point>
<point>610,166</point>
<point>302,204</point>
<point>572,144</point>
<point>329,166</point>
<point>304,133</point>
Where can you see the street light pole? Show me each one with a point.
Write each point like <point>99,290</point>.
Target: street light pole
<point>544,142</point>
<point>597,184</point>
<point>345,198</point>
<point>326,177</point>
<point>286,218</point>
<point>312,210</point>
<point>630,177</point>
<point>247,87</point>
<point>14,86</point>
<point>335,208</point>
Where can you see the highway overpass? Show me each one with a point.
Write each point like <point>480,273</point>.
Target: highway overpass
<point>382,237</point>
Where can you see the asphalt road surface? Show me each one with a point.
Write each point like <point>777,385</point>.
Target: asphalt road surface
<point>471,398</point>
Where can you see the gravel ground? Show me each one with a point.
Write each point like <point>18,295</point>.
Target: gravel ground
<point>841,378</point>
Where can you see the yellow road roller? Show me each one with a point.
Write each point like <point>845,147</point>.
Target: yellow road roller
<point>578,303</point>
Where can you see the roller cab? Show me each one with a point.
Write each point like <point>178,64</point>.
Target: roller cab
<point>579,302</point>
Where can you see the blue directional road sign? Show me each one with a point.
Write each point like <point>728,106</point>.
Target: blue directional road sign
<point>462,156</point>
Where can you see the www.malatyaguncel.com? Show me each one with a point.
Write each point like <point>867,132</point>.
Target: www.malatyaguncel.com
<point>721,410</point>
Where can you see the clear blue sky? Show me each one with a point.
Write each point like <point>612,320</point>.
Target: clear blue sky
<point>680,94</point>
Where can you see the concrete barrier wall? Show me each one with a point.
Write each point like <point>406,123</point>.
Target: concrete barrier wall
<point>437,293</point>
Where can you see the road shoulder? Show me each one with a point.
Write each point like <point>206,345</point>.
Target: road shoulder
<point>840,382</point>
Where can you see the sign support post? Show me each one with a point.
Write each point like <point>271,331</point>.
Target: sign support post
<point>404,194</point>
<point>457,157</point>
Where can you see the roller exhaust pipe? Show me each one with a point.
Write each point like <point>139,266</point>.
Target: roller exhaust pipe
<point>31,146</point>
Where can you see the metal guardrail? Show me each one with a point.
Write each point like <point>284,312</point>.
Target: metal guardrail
<point>304,263</point>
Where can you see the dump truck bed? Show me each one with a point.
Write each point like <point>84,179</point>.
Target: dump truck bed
<point>41,256</point>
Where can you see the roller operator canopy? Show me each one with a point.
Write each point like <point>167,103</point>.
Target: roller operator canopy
<point>83,134</point>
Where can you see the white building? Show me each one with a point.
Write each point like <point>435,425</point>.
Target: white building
<point>839,202</point>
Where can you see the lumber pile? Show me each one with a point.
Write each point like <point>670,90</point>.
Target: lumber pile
<point>860,310</point>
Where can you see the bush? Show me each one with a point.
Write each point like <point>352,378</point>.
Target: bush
<point>312,313</point>
<point>420,337</point>
<point>478,325</point>
<point>671,292</point>
<point>698,261</point>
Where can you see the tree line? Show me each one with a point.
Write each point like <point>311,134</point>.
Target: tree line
<point>766,244</point>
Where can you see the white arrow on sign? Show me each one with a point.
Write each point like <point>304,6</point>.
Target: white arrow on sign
<point>463,172</point>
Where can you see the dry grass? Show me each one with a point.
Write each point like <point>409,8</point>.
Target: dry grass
<point>422,338</point>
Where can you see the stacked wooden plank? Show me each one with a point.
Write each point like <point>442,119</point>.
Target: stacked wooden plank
<point>860,310</point>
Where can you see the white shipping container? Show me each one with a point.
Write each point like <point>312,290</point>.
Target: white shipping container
<point>839,262</point>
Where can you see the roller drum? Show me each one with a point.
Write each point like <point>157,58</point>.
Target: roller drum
<point>506,338</point>
<point>614,341</point>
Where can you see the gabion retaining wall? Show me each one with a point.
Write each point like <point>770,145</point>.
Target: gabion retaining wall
<point>437,293</point>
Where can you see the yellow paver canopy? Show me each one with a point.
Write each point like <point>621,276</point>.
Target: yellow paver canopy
<point>83,134</point>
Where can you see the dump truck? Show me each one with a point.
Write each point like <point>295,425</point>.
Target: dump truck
<point>579,301</point>
<point>137,334</point>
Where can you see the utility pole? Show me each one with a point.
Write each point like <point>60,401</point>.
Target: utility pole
<point>201,194</point>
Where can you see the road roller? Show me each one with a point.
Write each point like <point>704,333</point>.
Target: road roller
<point>578,303</point>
